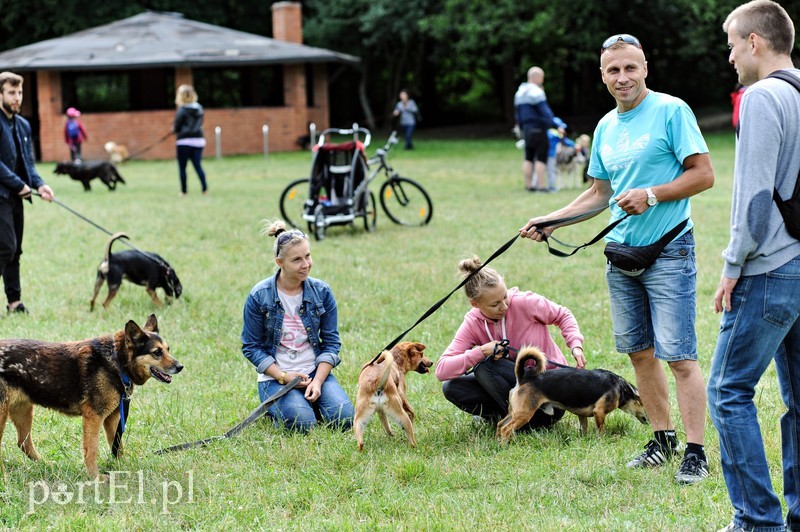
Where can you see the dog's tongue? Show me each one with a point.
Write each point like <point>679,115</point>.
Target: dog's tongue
<point>163,377</point>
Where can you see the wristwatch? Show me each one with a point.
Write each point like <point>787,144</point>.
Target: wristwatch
<point>652,200</point>
<point>280,379</point>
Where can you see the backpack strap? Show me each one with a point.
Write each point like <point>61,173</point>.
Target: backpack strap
<point>794,82</point>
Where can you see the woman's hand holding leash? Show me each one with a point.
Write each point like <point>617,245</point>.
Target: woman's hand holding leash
<point>305,380</point>
<point>494,348</point>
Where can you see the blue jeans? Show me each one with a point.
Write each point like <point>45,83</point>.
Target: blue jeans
<point>294,411</point>
<point>762,326</point>
<point>408,129</point>
<point>657,308</point>
<point>186,154</point>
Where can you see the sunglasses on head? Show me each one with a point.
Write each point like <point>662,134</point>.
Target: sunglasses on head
<point>620,37</point>
<point>286,237</point>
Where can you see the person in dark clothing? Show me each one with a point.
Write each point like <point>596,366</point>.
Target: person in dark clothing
<point>188,130</point>
<point>18,178</point>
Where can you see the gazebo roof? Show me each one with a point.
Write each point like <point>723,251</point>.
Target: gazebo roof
<point>158,39</point>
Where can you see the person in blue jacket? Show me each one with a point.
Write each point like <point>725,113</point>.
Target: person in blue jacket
<point>18,180</point>
<point>291,330</point>
<point>534,117</point>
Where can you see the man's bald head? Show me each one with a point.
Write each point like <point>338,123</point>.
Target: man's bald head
<point>535,75</point>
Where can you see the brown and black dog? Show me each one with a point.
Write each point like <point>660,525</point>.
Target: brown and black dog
<point>584,392</point>
<point>382,389</point>
<point>139,267</point>
<point>82,378</point>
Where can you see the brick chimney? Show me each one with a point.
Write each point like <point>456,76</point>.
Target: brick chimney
<point>287,22</point>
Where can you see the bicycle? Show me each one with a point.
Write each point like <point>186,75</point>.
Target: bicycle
<point>323,199</point>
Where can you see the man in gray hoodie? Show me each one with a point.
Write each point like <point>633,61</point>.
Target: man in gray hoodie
<point>759,292</point>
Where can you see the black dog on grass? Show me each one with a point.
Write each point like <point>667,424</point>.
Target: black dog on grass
<point>139,267</point>
<point>85,172</point>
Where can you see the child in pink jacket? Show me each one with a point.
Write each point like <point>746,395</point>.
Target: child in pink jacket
<point>499,313</point>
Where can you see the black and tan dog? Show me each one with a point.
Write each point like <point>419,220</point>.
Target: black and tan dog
<point>139,267</point>
<point>382,389</point>
<point>584,392</point>
<point>85,172</point>
<point>81,378</point>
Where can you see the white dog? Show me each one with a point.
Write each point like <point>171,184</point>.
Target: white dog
<point>117,153</point>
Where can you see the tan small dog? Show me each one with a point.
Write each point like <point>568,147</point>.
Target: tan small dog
<point>117,153</point>
<point>382,389</point>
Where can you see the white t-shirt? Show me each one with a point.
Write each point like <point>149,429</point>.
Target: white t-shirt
<point>294,350</point>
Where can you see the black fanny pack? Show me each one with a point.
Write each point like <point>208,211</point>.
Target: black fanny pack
<point>634,260</point>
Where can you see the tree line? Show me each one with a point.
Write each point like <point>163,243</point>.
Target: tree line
<point>462,60</point>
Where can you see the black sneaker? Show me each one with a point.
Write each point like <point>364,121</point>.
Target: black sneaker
<point>19,308</point>
<point>654,455</point>
<point>693,469</point>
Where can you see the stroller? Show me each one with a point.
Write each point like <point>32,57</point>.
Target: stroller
<point>337,190</point>
<point>338,186</point>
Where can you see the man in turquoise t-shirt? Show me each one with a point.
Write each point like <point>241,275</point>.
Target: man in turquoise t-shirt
<point>648,158</point>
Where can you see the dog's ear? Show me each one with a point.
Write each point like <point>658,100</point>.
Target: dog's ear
<point>633,389</point>
<point>419,347</point>
<point>133,332</point>
<point>152,324</point>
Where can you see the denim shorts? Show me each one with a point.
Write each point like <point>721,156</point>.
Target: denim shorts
<point>657,308</point>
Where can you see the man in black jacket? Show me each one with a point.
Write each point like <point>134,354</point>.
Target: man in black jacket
<point>18,178</point>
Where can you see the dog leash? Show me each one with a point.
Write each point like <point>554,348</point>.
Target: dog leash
<point>254,415</point>
<point>109,233</point>
<point>502,249</point>
<point>124,410</point>
<point>561,254</point>
<point>148,148</point>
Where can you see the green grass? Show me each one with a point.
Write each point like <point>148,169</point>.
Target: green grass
<point>458,477</point>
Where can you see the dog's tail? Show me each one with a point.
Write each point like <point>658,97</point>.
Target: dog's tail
<point>114,237</point>
<point>388,358</point>
<point>528,353</point>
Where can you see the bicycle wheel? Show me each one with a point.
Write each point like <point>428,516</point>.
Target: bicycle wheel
<point>319,223</point>
<point>369,211</point>
<point>406,202</point>
<point>293,202</point>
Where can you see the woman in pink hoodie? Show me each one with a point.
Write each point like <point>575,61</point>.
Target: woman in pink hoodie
<point>481,388</point>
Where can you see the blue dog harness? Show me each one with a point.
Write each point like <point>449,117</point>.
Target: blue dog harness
<point>124,403</point>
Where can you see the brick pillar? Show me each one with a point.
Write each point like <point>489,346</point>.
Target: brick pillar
<point>183,76</point>
<point>51,119</point>
<point>287,22</point>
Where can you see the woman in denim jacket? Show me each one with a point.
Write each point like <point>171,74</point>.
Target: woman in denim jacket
<point>291,330</point>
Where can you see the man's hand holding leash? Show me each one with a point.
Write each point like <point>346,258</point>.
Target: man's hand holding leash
<point>633,201</point>
<point>590,202</point>
<point>45,192</point>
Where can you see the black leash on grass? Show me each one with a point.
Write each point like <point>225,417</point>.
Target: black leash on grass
<point>502,249</point>
<point>109,233</point>
<point>148,148</point>
<point>254,415</point>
